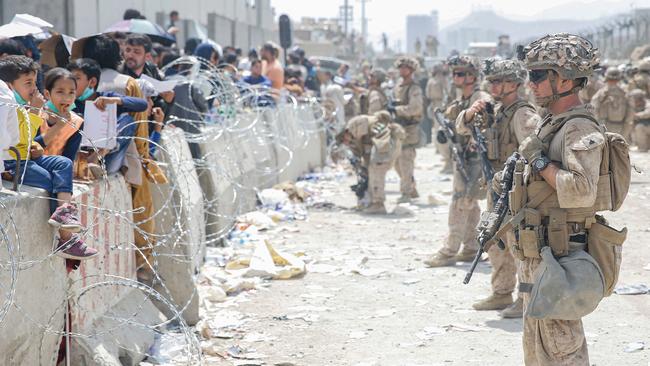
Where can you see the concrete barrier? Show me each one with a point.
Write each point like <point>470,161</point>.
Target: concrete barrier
<point>30,331</point>
<point>180,226</point>
<point>109,317</point>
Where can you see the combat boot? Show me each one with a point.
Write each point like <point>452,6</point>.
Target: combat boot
<point>516,310</point>
<point>415,194</point>
<point>440,260</point>
<point>494,302</point>
<point>375,209</point>
<point>404,199</point>
<point>465,256</point>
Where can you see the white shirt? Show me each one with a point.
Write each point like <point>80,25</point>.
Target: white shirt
<point>9,134</point>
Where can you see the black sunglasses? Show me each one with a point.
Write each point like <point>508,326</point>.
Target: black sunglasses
<point>460,74</point>
<point>537,76</point>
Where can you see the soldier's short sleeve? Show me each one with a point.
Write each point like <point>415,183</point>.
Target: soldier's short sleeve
<point>577,181</point>
<point>461,128</point>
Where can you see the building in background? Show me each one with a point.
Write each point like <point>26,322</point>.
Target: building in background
<point>419,28</point>
<point>240,23</point>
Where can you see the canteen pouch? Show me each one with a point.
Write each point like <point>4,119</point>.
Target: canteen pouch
<point>605,245</point>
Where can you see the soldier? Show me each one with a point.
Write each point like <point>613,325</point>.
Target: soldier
<point>641,79</point>
<point>464,212</point>
<point>641,120</point>
<point>560,193</point>
<point>611,105</point>
<point>515,119</point>
<point>437,91</point>
<point>593,85</point>
<point>408,111</point>
<point>376,141</point>
<point>377,100</point>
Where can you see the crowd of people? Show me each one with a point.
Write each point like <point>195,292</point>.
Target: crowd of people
<point>546,141</point>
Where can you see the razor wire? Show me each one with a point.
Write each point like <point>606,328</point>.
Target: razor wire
<point>242,142</point>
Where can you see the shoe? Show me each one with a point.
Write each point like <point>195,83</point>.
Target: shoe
<point>440,260</point>
<point>415,194</point>
<point>494,302</point>
<point>516,310</point>
<point>375,209</point>
<point>404,199</point>
<point>74,248</point>
<point>465,256</point>
<point>66,217</point>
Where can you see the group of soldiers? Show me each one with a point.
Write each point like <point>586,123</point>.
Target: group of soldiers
<point>530,136</point>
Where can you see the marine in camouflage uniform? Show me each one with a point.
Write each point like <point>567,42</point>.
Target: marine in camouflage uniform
<point>612,106</point>
<point>376,141</point>
<point>641,79</point>
<point>464,211</point>
<point>408,111</point>
<point>514,120</point>
<point>377,100</point>
<point>564,157</point>
<point>436,91</point>
<point>641,120</point>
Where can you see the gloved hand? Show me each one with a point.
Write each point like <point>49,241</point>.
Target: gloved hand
<point>532,148</point>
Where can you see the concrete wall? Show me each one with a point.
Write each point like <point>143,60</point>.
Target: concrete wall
<point>110,310</point>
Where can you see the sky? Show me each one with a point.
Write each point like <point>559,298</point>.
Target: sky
<point>390,15</point>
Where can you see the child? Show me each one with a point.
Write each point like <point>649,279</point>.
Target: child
<point>52,173</point>
<point>87,73</point>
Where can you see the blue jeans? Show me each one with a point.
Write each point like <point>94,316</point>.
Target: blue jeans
<point>125,132</point>
<point>52,173</point>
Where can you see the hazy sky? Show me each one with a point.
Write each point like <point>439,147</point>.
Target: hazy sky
<point>389,15</point>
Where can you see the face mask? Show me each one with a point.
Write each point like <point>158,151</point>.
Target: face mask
<point>20,100</point>
<point>88,92</point>
<point>54,109</point>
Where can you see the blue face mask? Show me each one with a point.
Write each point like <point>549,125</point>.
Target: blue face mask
<point>20,100</point>
<point>86,94</point>
<point>54,109</point>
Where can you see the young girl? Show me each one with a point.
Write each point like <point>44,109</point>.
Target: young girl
<point>51,173</point>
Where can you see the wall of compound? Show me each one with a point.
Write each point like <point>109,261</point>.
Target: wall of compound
<point>111,313</point>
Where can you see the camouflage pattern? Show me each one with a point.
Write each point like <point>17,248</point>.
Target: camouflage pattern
<point>641,132</point>
<point>613,73</point>
<point>613,108</point>
<point>505,70</point>
<point>465,63</point>
<point>409,62</point>
<point>569,55</point>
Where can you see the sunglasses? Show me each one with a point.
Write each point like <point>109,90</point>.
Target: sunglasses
<point>495,81</point>
<point>460,74</point>
<point>537,76</point>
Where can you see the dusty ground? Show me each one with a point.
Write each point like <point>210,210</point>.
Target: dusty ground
<point>398,312</point>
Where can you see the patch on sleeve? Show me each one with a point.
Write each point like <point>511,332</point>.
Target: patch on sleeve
<point>589,142</point>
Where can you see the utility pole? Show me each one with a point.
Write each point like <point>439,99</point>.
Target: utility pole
<point>364,25</point>
<point>346,8</point>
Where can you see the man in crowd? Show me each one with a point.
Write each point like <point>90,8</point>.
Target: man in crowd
<point>612,106</point>
<point>271,67</point>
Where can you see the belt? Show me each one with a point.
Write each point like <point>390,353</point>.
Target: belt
<point>578,238</point>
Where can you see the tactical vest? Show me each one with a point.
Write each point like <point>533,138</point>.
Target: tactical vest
<point>405,100</point>
<point>453,110</point>
<point>613,107</point>
<point>534,203</point>
<point>501,138</point>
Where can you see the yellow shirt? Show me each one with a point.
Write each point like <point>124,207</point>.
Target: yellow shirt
<point>28,125</point>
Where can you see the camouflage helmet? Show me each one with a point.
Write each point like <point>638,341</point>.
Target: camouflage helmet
<point>379,75</point>
<point>613,73</point>
<point>465,63</point>
<point>506,70</point>
<point>644,65</point>
<point>637,94</point>
<point>409,62</point>
<point>571,56</point>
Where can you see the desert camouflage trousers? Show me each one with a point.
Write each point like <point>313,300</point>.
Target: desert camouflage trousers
<point>642,136</point>
<point>405,166</point>
<point>550,342</point>
<point>377,181</point>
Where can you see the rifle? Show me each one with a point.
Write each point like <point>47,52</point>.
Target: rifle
<point>481,144</point>
<point>448,133</point>
<point>362,177</point>
<point>491,221</point>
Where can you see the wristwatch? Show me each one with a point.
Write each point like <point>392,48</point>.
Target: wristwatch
<point>540,163</point>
